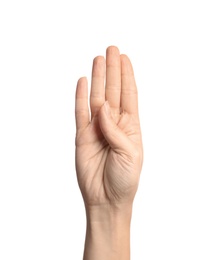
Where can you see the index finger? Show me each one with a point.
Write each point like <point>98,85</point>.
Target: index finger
<point>129,93</point>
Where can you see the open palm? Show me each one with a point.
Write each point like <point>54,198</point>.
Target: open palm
<point>108,143</point>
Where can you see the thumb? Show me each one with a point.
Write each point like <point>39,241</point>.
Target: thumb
<point>116,138</point>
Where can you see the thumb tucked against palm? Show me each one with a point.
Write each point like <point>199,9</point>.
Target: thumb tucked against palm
<point>114,135</point>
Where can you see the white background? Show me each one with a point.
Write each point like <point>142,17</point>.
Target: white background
<point>45,47</point>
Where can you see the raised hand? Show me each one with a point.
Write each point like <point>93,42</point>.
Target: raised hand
<point>108,142</point>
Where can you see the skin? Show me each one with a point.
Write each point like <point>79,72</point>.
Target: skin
<point>109,154</point>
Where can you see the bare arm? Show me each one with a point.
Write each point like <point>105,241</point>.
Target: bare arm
<point>109,154</point>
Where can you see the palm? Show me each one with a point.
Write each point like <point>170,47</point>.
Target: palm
<point>107,171</point>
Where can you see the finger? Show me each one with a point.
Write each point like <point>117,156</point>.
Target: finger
<point>129,94</point>
<point>97,94</point>
<point>81,104</point>
<point>113,77</point>
<point>116,138</point>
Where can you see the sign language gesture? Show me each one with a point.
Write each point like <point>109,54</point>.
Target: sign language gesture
<point>108,142</point>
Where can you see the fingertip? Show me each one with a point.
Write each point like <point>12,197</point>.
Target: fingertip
<point>81,90</point>
<point>82,81</point>
<point>98,66</point>
<point>111,131</point>
<point>126,64</point>
<point>112,49</point>
<point>125,59</point>
<point>81,103</point>
<point>106,108</point>
<point>124,56</point>
<point>99,60</point>
<point>103,111</point>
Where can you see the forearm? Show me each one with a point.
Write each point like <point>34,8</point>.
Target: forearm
<point>108,233</point>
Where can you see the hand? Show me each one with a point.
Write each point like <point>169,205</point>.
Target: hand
<point>108,155</point>
<point>108,143</point>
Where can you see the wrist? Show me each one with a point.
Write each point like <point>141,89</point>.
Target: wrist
<point>108,213</point>
<point>108,232</point>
